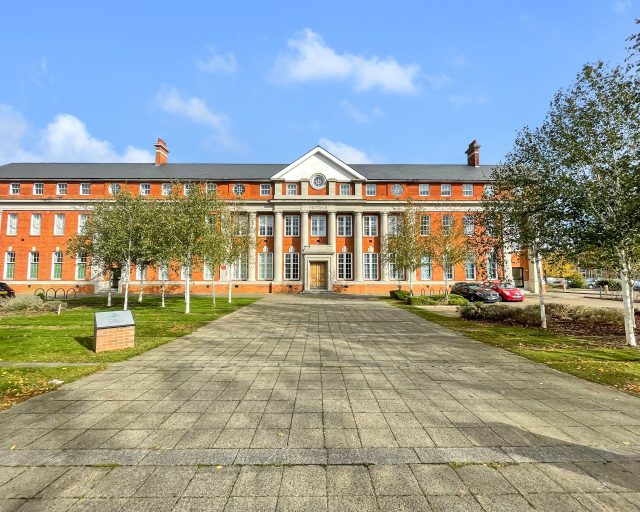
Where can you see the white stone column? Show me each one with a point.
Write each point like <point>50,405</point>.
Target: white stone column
<point>251,265</point>
<point>384,266</point>
<point>304,230</point>
<point>277,246</point>
<point>357,244</point>
<point>507,264</point>
<point>331,234</point>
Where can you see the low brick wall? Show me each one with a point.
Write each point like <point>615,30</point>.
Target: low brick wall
<point>114,338</point>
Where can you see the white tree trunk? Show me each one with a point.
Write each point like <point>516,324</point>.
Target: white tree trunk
<point>543,309</point>
<point>187,295</point>
<point>230,284</point>
<point>446,280</point>
<point>126,295</point>
<point>410,284</point>
<point>109,295</point>
<point>162,293</point>
<point>213,290</point>
<point>627,304</point>
<point>141,288</point>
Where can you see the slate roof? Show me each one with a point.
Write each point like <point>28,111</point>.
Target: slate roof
<point>228,172</point>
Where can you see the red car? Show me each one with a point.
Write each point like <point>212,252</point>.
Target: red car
<point>507,291</point>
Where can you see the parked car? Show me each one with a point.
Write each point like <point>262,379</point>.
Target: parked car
<point>592,282</point>
<point>554,281</point>
<point>507,291</point>
<point>475,292</point>
<point>6,291</point>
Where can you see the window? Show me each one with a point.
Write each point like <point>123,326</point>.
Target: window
<point>58,224</point>
<point>34,263</point>
<point>291,225</point>
<point>114,188</point>
<point>345,225</point>
<point>14,189</point>
<point>345,265</point>
<point>425,225</point>
<point>211,188</point>
<point>397,189</point>
<point>345,189</point>
<point>82,222</point>
<point>492,266</point>
<point>85,189</point>
<point>9,264</point>
<point>81,266</point>
<point>292,266</point>
<point>145,189</point>
<point>265,266</point>
<point>445,189</point>
<point>394,225</point>
<point>56,268</point>
<point>265,189</point>
<point>187,188</point>
<point>238,189</point>
<point>265,225</point>
<point>371,189</point>
<point>318,225</point>
<point>167,188</point>
<point>240,269</point>
<point>448,270</point>
<point>469,225</point>
<point>423,189</point>
<point>292,189</point>
<point>470,269</point>
<point>36,224</point>
<point>395,272</point>
<point>426,268</point>
<point>467,189</point>
<point>488,190</point>
<point>447,223</point>
<point>141,272</point>
<point>61,189</point>
<point>185,272</point>
<point>370,266</point>
<point>370,225</point>
<point>38,189</point>
<point>163,272</point>
<point>207,271</point>
<point>242,225</point>
<point>12,224</point>
<point>318,181</point>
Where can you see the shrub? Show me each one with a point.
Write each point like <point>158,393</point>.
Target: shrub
<point>613,284</point>
<point>523,315</point>
<point>399,295</point>
<point>30,304</point>
<point>577,280</point>
<point>438,299</point>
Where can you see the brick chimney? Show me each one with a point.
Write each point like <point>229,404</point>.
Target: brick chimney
<point>473,154</point>
<point>161,152</point>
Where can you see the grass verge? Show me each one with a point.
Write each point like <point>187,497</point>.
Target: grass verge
<point>617,367</point>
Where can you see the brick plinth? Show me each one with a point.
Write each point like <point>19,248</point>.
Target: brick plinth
<point>114,338</point>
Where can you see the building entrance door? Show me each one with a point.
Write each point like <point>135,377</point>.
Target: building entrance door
<point>518,277</point>
<point>318,275</point>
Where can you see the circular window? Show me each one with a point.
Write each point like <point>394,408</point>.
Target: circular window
<point>238,189</point>
<point>318,181</point>
<point>397,190</point>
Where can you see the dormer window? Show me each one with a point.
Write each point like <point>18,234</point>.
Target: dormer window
<point>14,189</point>
<point>292,189</point>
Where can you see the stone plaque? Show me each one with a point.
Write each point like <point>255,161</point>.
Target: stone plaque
<point>114,330</point>
<point>108,319</point>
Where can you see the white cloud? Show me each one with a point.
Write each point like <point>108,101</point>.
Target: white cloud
<point>346,153</point>
<point>215,62</point>
<point>358,115</point>
<point>310,59</point>
<point>196,109</point>
<point>65,139</point>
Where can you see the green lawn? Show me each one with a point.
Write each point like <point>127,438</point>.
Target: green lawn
<point>66,338</point>
<point>618,367</point>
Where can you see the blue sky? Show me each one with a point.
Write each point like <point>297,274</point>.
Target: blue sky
<point>392,82</point>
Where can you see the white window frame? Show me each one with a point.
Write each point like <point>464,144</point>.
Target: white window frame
<point>85,189</point>
<point>81,262</point>
<point>345,266</point>
<point>35,229</point>
<point>59,224</point>
<point>291,189</point>
<point>114,188</point>
<point>265,225</point>
<point>166,189</point>
<point>38,189</point>
<point>183,273</point>
<point>393,225</point>
<point>468,225</point>
<point>470,270</point>
<point>370,266</point>
<point>425,224</point>
<point>371,189</point>
<point>489,190</point>
<point>211,188</point>
<point>12,224</point>
<point>424,189</point>
<point>141,272</point>
<point>163,272</point>
<point>14,189</point>
<point>318,225</point>
<point>447,226</point>
<point>34,263</point>
<point>240,269</point>
<point>448,270</point>
<point>345,189</point>
<point>292,266</point>
<point>426,268</point>
<point>9,262</point>
<point>187,188</point>
<point>345,225</point>
<point>467,189</point>
<point>370,225</point>
<point>291,225</point>
<point>145,189</point>
<point>82,222</point>
<point>265,266</point>
<point>239,189</point>
<point>207,271</point>
<point>61,189</point>
<point>265,189</point>
<point>57,258</point>
<point>395,273</point>
<point>445,190</point>
<point>492,266</point>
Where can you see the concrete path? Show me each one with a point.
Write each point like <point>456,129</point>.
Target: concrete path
<point>302,403</point>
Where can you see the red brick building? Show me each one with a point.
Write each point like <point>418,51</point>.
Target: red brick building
<point>319,221</point>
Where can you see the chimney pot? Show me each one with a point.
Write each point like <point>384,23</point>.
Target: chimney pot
<point>162,152</point>
<point>473,154</point>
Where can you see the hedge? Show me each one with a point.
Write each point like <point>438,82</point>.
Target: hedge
<point>438,299</point>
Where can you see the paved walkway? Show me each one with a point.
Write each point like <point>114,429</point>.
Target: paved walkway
<point>302,403</point>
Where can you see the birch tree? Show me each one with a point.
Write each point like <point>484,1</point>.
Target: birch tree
<point>235,237</point>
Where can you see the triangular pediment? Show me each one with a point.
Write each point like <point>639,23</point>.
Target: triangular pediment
<point>318,161</point>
